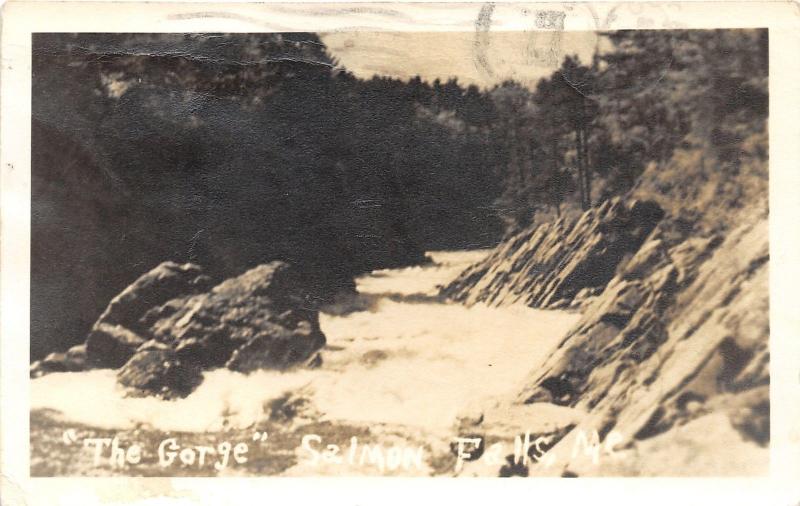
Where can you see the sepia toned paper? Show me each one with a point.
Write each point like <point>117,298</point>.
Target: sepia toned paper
<point>373,242</point>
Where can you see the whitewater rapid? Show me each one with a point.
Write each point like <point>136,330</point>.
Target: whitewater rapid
<point>396,354</point>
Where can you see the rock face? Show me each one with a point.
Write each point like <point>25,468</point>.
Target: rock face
<point>674,345</point>
<point>167,281</point>
<point>73,360</point>
<point>681,333</point>
<point>171,324</point>
<point>257,320</point>
<point>156,368</point>
<point>549,265</point>
<point>118,332</point>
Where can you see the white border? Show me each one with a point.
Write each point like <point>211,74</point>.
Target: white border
<point>21,19</point>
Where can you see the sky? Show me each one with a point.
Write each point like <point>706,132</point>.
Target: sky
<point>480,58</point>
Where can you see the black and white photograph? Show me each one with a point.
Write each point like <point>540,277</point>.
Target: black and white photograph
<point>384,254</point>
<point>312,251</point>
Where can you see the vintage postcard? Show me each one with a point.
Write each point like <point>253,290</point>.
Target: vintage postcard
<point>399,240</point>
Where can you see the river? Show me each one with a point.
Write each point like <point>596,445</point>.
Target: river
<point>400,365</point>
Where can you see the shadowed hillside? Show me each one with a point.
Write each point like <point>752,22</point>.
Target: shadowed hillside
<point>234,150</point>
<point>671,352</point>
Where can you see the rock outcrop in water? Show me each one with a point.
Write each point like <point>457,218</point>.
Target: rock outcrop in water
<point>172,323</point>
<point>671,353</point>
<point>282,155</point>
<point>119,332</point>
<point>551,264</point>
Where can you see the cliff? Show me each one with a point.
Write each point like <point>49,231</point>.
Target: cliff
<point>551,264</point>
<point>669,363</point>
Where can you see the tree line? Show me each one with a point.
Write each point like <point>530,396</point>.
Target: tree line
<point>590,130</point>
<point>233,149</point>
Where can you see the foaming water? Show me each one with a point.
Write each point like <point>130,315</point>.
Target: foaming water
<point>224,399</point>
<point>420,279</point>
<point>412,360</point>
<point>420,364</point>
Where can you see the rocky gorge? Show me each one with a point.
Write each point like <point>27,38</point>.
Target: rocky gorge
<point>235,235</point>
<point>670,354</point>
<point>608,345</point>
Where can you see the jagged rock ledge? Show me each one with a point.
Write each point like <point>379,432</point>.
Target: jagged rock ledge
<point>172,323</point>
<point>671,353</point>
<point>674,349</point>
<point>551,265</point>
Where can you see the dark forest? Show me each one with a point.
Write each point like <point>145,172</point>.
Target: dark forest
<point>233,150</point>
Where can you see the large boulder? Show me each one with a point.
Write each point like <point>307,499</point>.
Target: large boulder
<point>277,348</point>
<point>253,321</point>
<point>156,369</point>
<point>165,282</point>
<point>171,324</point>
<point>111,345</point>
<point>118,332</point>
<point>275,280</point>
<point>72,360</point>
